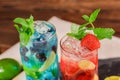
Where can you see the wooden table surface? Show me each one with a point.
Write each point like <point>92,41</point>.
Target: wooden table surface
<point>71,10</point>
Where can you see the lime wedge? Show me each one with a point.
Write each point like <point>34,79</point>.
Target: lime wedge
<point>112,78</point>
<point>86,65</point>
<point>50,60</point>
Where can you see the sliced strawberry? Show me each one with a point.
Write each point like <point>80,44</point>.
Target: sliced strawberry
<point>91,42</point>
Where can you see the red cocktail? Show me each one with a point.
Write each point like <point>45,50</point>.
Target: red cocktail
<point>77,62</point>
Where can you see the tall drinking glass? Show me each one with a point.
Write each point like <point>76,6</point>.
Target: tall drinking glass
<point>39,57</point>
<point>77,62</point>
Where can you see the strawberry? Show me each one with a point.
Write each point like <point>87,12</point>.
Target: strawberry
<point>91,42</point>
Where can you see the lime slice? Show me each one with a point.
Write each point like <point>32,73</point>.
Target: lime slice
<point>112,78</point>
<point>50,60</point>
<point>86,65</point>
<point>9,68</point>
<point>95,77</point>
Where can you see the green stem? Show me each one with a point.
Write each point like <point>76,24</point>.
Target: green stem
<point>92,25</point>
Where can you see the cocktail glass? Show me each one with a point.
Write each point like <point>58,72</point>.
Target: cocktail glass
<point>77,62</point>
<point>39,57</point>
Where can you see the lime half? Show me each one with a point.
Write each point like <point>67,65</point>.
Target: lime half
<point>112,78</point>
<point>9,68</point>
<point>50,60</point>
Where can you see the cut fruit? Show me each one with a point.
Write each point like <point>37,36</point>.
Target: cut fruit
<point>72,69</point>
<point>91,42</point>
<point>112,78</point>
<point>95,77</point>
<point>86,65</point>
<point>50,60</point>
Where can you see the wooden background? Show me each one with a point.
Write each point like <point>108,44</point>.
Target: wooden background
<point>71,10</point>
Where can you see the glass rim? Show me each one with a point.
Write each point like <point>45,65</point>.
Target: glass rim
<point>62,46</point>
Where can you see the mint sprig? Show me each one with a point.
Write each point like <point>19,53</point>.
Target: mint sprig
<point>102,33</point>
<point>25,27</point>
<point>79,31</point>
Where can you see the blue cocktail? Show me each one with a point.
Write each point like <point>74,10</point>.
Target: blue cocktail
<point>39,55</point>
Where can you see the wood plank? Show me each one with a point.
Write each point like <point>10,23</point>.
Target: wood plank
<point>71,10</point>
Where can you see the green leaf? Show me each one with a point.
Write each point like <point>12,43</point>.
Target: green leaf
<point>78,31</point>
<point>102,33</point>
<point>90,28</point>
<point>50,60</point>
<point>94,15</point>
<point>20,21</point>
<point>81,33</point>
<point>17,27</point>
<point>25,30</point>
<point>84,25</point>
<point>71,34</point>
<point>31,72</point>
<point>31,19</point>
<point>74,28</point>
<point>24,38</point>
<point>85,17</point>
<point>77,36</point>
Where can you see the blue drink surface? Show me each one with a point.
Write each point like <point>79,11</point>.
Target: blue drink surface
<point>39,56</point>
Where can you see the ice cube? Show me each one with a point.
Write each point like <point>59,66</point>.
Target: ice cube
<point>41,27</point>
<point>71,45</point>
<point>35,35</point>
<point>83,51</point>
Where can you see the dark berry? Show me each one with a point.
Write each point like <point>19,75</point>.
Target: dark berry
<point>23,50</point>
<point>22,53</point>
<point>41,56</point>
<point>36,45</point>
<point>34,50</point>
<point>54,48</point>
<point>26,58</point>
<point>38,39</point>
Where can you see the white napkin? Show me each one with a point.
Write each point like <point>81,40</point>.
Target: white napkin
<point>109,48</point>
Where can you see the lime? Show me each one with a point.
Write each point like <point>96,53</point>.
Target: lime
<point>86,65</point>
<point>9,68</point>
<point>48,62</point>
<point>112,78</point>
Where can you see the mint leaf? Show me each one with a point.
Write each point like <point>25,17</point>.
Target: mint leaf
<point>84,25</point>
<point>90,28</point>
<point>23,38</point>
<point>102,33</point>
<point>17,27</point>
<point>25,27</point>
<point>74,28</point>
<point>77,36</point>
<point>77,31</point>
<point>94,15</point>
<point>85,17</point>
<point>20,21</point>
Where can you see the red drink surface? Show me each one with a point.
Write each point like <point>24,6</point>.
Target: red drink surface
<point>76,65</point>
